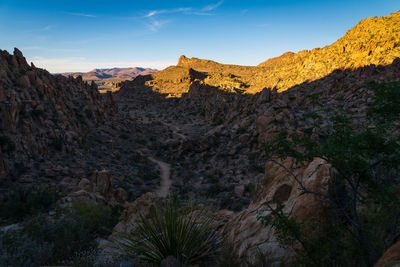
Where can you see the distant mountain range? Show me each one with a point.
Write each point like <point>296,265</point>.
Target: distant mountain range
<point>106,79</point>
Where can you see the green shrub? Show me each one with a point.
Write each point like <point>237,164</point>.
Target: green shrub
<point>98,218</point>
<point>66,235</point>
<point>67,240</point>
<point>183,233</point>
<point>6,144</point>
<point>23,202</point>
<point>18,249</point>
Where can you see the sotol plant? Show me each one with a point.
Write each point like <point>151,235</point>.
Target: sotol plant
<point>181,232</point>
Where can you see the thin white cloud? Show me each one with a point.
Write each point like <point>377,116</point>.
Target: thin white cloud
<point>82,15</point>
<point>82,64</point>
<point>163,11</point>
<point>212,6</point>
<point>155,25</point>
<point>152,13</point>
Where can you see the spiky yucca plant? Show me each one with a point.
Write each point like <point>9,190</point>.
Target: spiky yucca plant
<point>183,233</point>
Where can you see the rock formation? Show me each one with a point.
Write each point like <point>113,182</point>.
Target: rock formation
<point>247,234</point>
<point>372,41</point>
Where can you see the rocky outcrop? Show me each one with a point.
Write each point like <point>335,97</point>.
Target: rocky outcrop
<point>250,237</point>
<point>99,188</point>
<point>101,183</point>
<point>142,206</point>
<point>371,41</point>
<point>391,258</point>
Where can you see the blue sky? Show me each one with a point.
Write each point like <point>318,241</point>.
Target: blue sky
<point>81,35</point>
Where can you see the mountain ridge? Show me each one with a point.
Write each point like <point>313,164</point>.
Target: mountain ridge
<point>115,72</point>
<point>107,78</point>
<point>372,41</point>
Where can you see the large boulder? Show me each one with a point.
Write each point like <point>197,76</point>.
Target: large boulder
<point>99,188</point>
<point>142,206</point>
<point>391,258</point>
<point>250,237</point>
<point>101,183</point>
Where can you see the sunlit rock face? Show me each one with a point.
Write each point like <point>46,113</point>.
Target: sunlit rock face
<point>371,41</point>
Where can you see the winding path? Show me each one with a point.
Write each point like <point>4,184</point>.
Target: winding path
<point>165,171</point>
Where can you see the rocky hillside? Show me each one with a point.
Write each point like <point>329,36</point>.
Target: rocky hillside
<point>60,130</point>
<point>41,112</point>
<point>372,41</point>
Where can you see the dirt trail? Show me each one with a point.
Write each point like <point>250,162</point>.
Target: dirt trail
<point>165,171</point>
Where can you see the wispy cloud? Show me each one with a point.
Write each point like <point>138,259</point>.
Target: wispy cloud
<point>164,11</point>
<point>186,10</point>
<point>81,14</point>
<point>82,64</point>
<point>212,6</point>
<point>155,25</point>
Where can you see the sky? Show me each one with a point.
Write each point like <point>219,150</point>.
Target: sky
<point>82,35</point>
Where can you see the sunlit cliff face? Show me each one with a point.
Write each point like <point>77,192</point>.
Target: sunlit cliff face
<point>372,41</point>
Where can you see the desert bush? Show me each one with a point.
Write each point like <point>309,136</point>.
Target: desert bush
<point>97,218</point>
<point>183,233</point>
<point>18,249</point>
<point>23,202</point>
<point>70,238</point>
<point>6,144</point>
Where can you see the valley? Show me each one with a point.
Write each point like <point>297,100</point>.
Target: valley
<point>275,160</point>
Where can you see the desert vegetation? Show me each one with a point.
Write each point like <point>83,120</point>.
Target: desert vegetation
<point>183,233</point>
